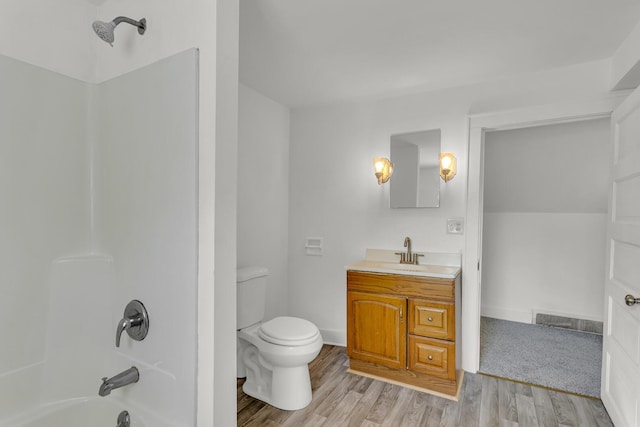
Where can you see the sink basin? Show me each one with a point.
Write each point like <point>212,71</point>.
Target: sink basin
<point>425,270</point>
<point>406,267</point>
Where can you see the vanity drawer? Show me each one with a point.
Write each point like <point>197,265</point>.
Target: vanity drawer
<point>432,357</point>
<point>432,319</point>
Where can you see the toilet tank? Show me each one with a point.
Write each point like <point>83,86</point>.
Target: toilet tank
<point>251,294</point>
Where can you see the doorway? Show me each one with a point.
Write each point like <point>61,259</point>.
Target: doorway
<point>544,223</point>
<point>472,261</point>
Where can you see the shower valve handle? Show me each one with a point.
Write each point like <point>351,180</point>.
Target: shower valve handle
<point>135,321</point>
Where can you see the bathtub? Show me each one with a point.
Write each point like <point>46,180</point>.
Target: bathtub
<point>84,412</point>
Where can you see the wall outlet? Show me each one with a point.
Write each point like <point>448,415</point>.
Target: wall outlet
<point>455,226</point>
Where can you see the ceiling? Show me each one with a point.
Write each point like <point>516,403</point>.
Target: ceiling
<point>309,52</point>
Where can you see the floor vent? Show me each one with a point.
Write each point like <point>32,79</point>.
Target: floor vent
<point>569,323</point>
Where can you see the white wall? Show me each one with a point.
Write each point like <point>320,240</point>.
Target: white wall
<point>545,202</point>
<point>350,210</point>
<point>263,192</point>
<point>547,262</point>
<point>555,168</point>
<point>225,171</point>
<point>45,187</point>
<point>625,69</point>
<point>52,35</point>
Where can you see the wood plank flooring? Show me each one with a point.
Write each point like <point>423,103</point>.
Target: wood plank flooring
<point>343,399</point>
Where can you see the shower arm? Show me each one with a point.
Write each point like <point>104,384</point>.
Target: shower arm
<point>141,24</point>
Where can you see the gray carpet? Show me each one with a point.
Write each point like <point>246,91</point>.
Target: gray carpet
<point>551,357</point>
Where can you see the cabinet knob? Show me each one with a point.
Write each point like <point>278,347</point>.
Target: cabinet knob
<point>430,357</point>
<point>430,319</point>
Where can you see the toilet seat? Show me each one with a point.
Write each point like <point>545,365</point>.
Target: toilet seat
<point>288,331</point>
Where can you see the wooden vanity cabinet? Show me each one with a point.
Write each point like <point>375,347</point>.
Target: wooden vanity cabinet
<point>402,328</point>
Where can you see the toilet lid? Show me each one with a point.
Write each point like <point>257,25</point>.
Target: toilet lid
<point>289,331</point>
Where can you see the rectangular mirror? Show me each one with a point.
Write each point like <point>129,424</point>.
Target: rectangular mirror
<point>416,171</point>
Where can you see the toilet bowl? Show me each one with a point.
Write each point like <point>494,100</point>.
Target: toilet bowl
<point>278,372</point>
<point>274,355</point>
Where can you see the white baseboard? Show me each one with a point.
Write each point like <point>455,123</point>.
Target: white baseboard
<point>334,337</point>
<point>521,316</point>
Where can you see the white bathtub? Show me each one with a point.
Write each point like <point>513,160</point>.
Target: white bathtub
<point>85,412</point>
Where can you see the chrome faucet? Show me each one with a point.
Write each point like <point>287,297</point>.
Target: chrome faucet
<point>407,244</point>
<point>122,379</point>
<point>408,257</point>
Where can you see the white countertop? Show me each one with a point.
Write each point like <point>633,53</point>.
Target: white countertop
<point>432,264</point>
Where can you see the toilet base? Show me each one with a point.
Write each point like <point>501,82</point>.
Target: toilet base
<point>277,375</point>
<point>290,388</point>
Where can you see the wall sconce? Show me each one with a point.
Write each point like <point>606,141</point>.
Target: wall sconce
<point>383,169</point>
<point>448,166</point>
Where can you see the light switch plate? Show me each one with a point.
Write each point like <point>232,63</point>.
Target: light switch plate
<point>455,226</point>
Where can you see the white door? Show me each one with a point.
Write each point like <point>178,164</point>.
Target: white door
<point>621,340</point>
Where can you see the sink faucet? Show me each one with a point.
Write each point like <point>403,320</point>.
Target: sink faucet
<point>407,244</point>
<point>408,257</point>
<point>122,379</point>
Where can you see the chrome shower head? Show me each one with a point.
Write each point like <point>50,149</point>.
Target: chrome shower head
<point>104,30</point>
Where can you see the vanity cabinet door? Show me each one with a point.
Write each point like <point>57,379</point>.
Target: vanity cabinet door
<point>376,328</point>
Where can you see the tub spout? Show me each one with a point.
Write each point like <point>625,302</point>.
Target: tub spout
<point>122,379</point>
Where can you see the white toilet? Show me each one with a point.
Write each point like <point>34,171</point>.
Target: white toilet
<point>273,355</point>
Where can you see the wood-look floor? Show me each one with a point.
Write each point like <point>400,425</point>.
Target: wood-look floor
<point>343,399</point>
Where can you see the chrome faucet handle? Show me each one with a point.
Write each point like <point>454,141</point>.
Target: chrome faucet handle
<point>135,322</point>
<point>125,325</point>
<point>415,258</point>
<point>403,257</point>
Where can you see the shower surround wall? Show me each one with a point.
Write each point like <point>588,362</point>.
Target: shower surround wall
<point>147,212</point>
<point>44,214</point>
<point>99,207</point>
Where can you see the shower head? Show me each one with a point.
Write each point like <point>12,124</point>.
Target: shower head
<point>104,30</point>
